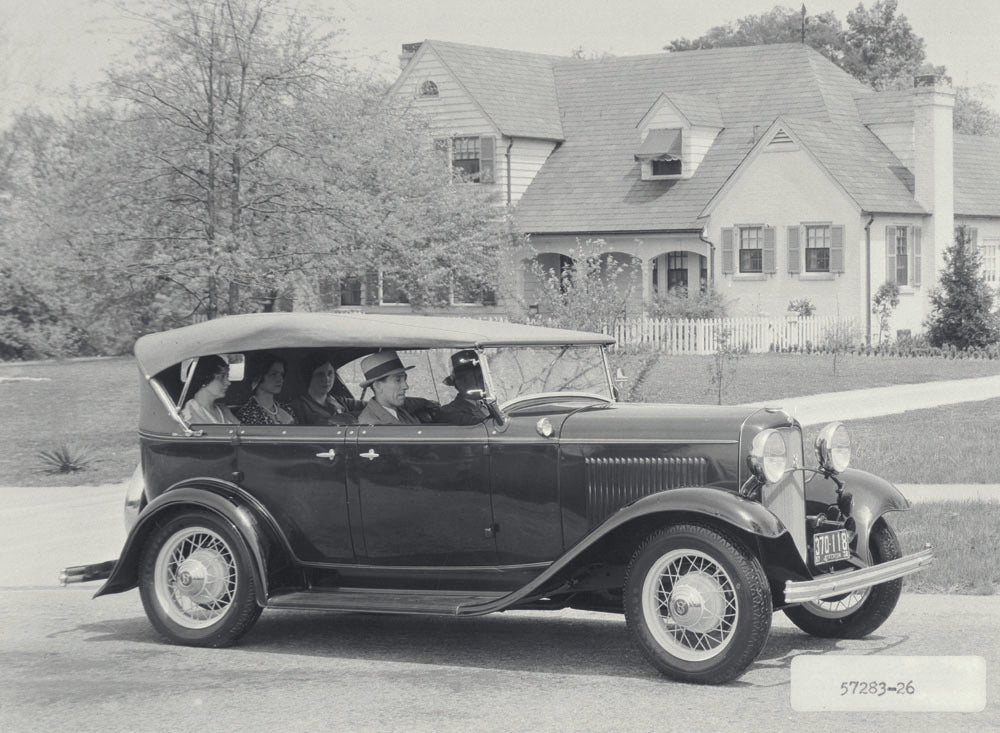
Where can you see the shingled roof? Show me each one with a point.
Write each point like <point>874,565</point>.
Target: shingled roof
<point>591,183</point>
<point>515,89</point>
<point>977,190</point>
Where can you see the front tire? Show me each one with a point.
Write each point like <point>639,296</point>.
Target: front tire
<point>698,604</point>
<point>857,614</point>
<point>196,582</point>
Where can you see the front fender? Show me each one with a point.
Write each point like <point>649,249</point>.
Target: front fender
<point>225,500</point>
<point>721,506</point>
<point>873,497</point>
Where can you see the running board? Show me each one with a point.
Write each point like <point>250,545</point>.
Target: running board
<point>381,600</point>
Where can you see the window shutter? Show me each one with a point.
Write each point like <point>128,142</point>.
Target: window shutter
<point>768,255</point>
<point>973,236</point>
<point>837,249</point>
<point>727,251</point>
<point>890,254</point>
<point>442,146</point>
<point>794,258</point>
<point>487,148</point>
<point>915,277</point>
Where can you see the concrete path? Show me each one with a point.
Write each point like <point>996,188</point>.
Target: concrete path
<point>863,403</point>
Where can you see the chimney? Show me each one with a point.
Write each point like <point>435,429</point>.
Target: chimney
<point>409,51</point>
<point>934,167</point>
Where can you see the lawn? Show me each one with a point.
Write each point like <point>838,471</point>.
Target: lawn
<point>92,404</point>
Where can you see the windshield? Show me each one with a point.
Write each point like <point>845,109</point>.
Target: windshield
<point>524,370</point>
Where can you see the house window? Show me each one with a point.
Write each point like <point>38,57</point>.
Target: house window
<point>350,291</point>
<point>751,249</point>
<point>666,167</point>
<point>902,256</point>
<point>990,263</point>
<point>428,89</point>
<point>473,158</point>
<point>677,272</point>
<point>817,249</point>
<point>470,292</point>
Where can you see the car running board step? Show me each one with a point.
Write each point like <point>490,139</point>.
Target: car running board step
<point>381,600</point>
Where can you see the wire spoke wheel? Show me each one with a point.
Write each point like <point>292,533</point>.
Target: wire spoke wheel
<point>697,603</point>
<point>196,582</point>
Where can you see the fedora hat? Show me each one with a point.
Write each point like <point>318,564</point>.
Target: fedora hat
<point>461,361</point>
<point>381,364</point>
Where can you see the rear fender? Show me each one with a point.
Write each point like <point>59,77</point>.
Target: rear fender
<point>228,502</point>
<point>873,497</point>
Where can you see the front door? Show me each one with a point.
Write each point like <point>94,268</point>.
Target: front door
<point>424,496</point>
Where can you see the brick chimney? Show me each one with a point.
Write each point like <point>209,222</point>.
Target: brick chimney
<point>409,51</point>
<point>934,167</point>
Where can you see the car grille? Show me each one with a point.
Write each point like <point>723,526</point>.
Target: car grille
<point>614,482</point>
<point>786,499</point>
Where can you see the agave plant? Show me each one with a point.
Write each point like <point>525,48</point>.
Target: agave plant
<point>65,459</point>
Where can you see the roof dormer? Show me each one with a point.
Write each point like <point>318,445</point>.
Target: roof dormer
<point>675,134</point>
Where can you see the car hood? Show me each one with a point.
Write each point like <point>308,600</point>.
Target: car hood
<point>683,423</point>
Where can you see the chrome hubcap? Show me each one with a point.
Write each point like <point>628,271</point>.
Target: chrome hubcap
<point>195,577</point>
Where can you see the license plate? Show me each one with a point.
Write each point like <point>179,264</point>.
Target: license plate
<point>831,546</point>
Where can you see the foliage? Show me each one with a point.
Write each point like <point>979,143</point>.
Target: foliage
<point>724,362</point>
<point>962,309</point>
<point>64,459</point>
<point>803,307</point>
<point>878,47</point>
<point>238,163</point>
<point>592,294</point>
<point>839,339</point>
<point>883,304</point>
<point>679,302</point>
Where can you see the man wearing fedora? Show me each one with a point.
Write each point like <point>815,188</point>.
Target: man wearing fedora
<point>467,377</point>
<point>386,375</point>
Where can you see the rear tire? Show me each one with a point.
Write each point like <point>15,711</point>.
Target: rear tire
<point>196,582</point>
<point>857,614</point>
<point>697,603</point>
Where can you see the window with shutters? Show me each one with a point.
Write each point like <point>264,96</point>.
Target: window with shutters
<point>989,260</point>
<point>751,249</point>
<point>817,249</point>
<point>902,251</point>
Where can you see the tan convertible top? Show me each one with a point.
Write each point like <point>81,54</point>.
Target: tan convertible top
<point>257,331</point>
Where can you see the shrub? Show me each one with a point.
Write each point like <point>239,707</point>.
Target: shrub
<point>962,306</point>
<point>680,303</point>
<point>65,459</point>
<point>883,304</point>
<point>803,306</point>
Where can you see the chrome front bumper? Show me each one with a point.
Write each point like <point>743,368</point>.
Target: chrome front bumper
<point>845,581</point>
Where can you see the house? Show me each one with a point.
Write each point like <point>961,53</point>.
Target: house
<point>766,171</point>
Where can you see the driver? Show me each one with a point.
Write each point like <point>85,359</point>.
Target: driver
<point>467,377</point>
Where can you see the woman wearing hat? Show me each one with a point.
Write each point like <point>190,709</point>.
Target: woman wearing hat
<point>386,375</point>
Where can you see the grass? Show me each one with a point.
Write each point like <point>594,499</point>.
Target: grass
<point>964,535</point>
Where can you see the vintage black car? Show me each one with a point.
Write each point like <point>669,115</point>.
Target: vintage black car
<point>695,522</point>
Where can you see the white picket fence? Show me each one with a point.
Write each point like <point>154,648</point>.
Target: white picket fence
<point>703,336</point>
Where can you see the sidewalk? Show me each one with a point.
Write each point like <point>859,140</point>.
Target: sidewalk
<point>864,403</point>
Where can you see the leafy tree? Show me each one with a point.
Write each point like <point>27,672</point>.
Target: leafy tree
<point>878,47</point>
<point>962,313</point>
<point>883,305</point>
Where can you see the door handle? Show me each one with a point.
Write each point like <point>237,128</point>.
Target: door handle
<point>331,454</point>
<point>371,455</point>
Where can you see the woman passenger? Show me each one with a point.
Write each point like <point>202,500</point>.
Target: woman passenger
<point>263,407</point>
<point>317,406</point>
<point>208,387</point>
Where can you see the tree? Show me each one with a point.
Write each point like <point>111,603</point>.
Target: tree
<point>883,305</point>
<point>780,25</point>
<point>962,312</point>
<point>880,47</point>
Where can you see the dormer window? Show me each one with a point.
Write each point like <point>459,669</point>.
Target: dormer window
<point>660,154</point>
<point>428,89</point>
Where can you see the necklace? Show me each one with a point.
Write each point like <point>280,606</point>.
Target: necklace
<point>273,409</point>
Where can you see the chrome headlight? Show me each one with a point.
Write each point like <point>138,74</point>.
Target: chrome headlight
<point>833,447</point>
<point>768,457</point>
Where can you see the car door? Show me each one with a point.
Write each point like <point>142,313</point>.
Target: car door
<point>298,473</point>
<point>423,496</point>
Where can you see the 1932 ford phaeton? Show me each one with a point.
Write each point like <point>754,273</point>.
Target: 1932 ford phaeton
<point>695,522</point>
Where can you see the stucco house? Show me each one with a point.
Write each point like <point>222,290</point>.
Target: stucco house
<point>765,171</point>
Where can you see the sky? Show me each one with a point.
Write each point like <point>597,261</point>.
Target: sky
<point>47,45</point>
